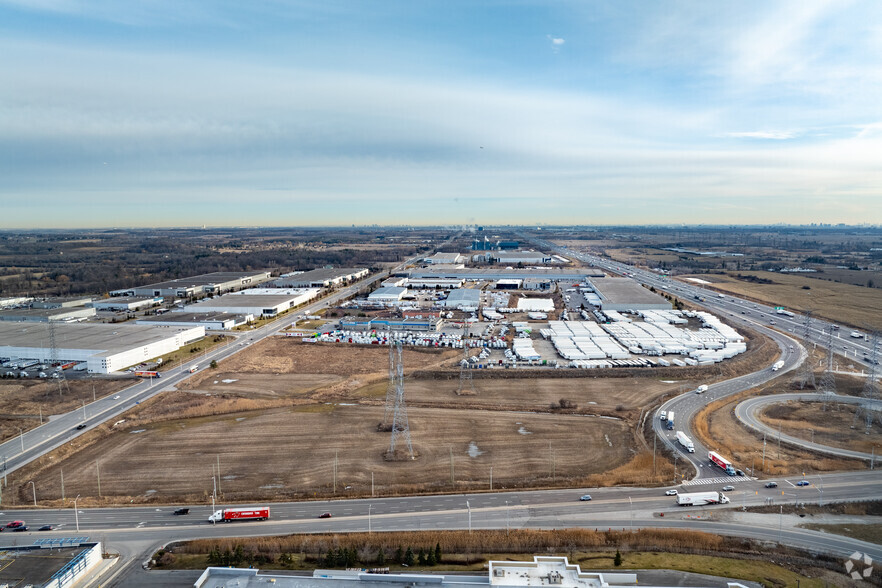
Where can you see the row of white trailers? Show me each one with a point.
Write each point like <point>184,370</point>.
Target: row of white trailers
<point>416,339</point>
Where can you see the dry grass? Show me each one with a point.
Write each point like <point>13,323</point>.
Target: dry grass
<point>809,421</point>
<point>718,429</point>
<point>840,303</point>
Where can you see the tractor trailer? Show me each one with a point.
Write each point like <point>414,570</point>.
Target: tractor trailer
<point>670,421</point>
<point>702,498</point>
<point>721,462</point>
<point>777,366</point>
<point>260,513</point>
<point>685,441</point>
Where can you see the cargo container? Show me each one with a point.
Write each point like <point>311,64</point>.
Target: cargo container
<point>259,513</point>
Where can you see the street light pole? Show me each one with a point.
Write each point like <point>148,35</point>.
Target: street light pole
<point>369,518</point>
<point>21,436</point>
<point>76,513</point>
<point>631,512</point>
<point>34,488</point>
<point>470,516</point>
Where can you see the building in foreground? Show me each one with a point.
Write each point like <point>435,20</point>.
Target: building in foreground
<point>44,315</point>
<point>52,562</point>
<point>551,572</point>
<point>105,348</point>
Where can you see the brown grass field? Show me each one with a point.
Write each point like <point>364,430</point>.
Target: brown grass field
<point>21,401</point>
<point>841,303</point>
<point>808,420</point>
<point>744,447</point>
<point>278,413</point>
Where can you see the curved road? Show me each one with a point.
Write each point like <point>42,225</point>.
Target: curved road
<point>747,411</point>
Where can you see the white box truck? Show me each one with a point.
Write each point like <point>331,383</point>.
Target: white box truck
<point>685,441</point>
<point>701,498</point>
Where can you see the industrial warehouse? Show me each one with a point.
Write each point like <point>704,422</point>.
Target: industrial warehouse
<point>104,348</point>
<point>322,277</point>
<point>622,294</point>
<point>196,286</point>
<point>259,302</point>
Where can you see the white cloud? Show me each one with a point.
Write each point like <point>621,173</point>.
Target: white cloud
<point>556,42</point>
<point>779,135</point>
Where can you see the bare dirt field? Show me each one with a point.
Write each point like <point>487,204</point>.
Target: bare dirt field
<point>841,303</point>
<point>809,421</point>
<point>276,415</point>
<point>23,401</point>
<point>718,428</point>
<point>281,456</point>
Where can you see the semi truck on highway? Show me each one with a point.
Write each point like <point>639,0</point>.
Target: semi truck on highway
<point>785,312</point>
<point>147,374</point>
<point>777,366</point>
<point>721,462</point>
<point>670,421</point>
<point>260,513</point>
<point>702,498</point>
<point>685,441</point>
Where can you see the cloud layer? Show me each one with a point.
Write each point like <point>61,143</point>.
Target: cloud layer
<point>332,113</point>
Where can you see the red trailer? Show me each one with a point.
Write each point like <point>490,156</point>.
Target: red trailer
<point>259,513</point>
<point>147,374</point>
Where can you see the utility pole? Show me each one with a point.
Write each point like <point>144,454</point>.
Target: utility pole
<point>335,471</point>
<point>218,475</point>
<point>654,439</point>
<point>470,516</point>
<point>98,473</point>
<point>764,453</point>
<point>491,478</point>
<point>34,488</point>
<point>452,480</point>
<point>372,484</point>
<point>62,485</point>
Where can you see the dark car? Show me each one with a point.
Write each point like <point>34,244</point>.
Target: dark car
<point>46,528</point>
<point>802,483</point>
<point>182,511</point>
<point>20,529</point>
<point>81,426</point>
<point>325,515</point>
<point>771,484</point>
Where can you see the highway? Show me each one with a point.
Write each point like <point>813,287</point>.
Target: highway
<point>135,532</point>
<point>747,410</point>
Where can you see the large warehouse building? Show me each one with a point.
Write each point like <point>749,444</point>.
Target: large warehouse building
<point>104,348</point>
<point>487,274</point>
<point>462,298</point>
<point>44,315</point>
<point>323,277</point>
<point>259,304</point>
<point>211,321</point>
<point>213,283</point>
<point>623,294</point>
<point>127,303</point>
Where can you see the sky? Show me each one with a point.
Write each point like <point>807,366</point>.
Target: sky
<point>330,112</point>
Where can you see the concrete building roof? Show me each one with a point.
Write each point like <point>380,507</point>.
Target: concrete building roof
<point>245,301</point>
<point>551,273</point>
<point>624,291</point>
<point>47,314</point>
<point>388,291</point>
<point>324,274</point>
<point>191,317</point>
<point>98,337</point>
<point>200,280</point>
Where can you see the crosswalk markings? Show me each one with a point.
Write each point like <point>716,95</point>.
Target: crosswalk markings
<point>723,480</point>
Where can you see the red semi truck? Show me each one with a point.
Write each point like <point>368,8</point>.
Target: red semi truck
<point>721,462</point>
<point>259,513</point>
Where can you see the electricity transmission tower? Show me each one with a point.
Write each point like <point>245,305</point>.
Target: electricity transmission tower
<point>871,390</point>
<point>390,390</point>
<point>466,384</point>
<point>806,372</point>
<point>54,359</point>
<point>828,380</point>
<point>400,426</point>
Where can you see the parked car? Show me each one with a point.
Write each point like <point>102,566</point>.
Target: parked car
<point>585,497</point>
<point>802,483</point>
<point>182,511</point>
<point>671,493</point>
<point>728,488</point>
<point>771,484</point>
<point>325,515</point>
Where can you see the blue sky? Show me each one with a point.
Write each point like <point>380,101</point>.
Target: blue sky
<point>179,113</point>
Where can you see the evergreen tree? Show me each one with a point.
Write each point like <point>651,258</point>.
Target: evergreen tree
<point>618,560</point>
<point>421,557</point>
<point>238,555</point>
<point>399,556</point>
<point>351,558</point>
<point>227,558</point>
<point>430,558</point>
<point>381,558</point>
<point>329,558</point>
<point>437,553</point>
<point>408,557</point>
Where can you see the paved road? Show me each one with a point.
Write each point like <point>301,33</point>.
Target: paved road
<point>748,410</point>
<point>136,532</point>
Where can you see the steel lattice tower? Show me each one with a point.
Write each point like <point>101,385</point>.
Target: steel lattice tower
<point>806,373</point>
<point>400,426</point>
<point>54,359</point>
<point>828,380</point>
<point>466,384</point>
<point>390,390</point>
<point>871,389</point>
